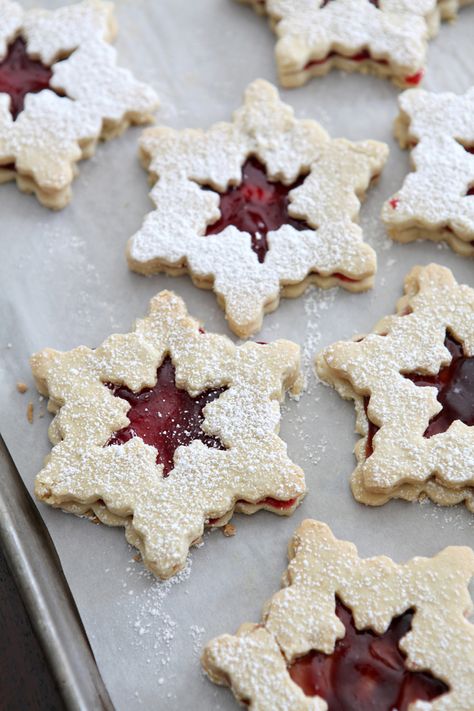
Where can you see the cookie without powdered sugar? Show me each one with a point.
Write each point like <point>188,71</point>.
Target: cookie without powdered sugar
<point>355,634</point>
<point>60,92</point>
<point>256,208</point>
<point>167,429</point>
<point>383,37</point>
<point>412,381</point>
<point>436,201</point>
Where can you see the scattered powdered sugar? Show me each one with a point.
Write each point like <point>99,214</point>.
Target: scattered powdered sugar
<point>197,635</point>
<point>316,303</point>
<point>151,617</point>
<point>64,252</point>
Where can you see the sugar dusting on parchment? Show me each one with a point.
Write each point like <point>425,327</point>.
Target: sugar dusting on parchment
<point>150,614</point>
<point>316,303</point>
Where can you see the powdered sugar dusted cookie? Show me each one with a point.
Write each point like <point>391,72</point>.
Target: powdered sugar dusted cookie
<point>383,37</point>
<point>412,381</point>
<point>436,200</point>
<point>167,429</point>
<point>355,634</point>
<point>60,91</point>
<point>258,207</point>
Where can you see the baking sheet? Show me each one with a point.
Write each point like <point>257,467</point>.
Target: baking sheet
<point>64,281</point>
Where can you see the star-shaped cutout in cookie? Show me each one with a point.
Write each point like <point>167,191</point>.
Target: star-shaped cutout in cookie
<point>436,201</point>
<point>355,634</point>
<point>60,92</point>
<point>168,429</point>
<point>21,75</point>
<point>411,381</point>
<point>257,208</point>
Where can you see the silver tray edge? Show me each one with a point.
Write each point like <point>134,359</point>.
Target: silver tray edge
<point>34,563</point>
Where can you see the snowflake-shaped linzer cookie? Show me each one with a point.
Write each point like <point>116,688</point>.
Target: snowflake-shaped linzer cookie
<point>383,37</point>
<point>412,381</point>
<point>257,208</point>
<point>60,92</point>
<point>167,429</point>
<point>355,634</point>
<point>436,200</point>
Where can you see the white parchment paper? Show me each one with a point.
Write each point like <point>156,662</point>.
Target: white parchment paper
<point>64,282</point>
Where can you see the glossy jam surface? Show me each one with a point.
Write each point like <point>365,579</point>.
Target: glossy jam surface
<point>278,503</point>
<point>455,385</point>
<point>366,671</point>
<point>257,206</point>
<point>165,416</point>
<point>21,75</point>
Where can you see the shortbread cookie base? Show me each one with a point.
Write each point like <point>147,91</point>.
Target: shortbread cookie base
<point>293,70</point>
<point>406,234</point>
<point>432,489</point>
<point>406,469</point>
<point>291,78</point>
<point>337,175</point>
<point>411,227</point>
<point>59,198</point>
<point>88,96</point>
<point>123,484</point>
<point>301,617</point>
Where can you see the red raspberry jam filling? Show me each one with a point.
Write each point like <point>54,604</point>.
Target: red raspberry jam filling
<point>278,503</point>
<point>257,206</point>
<point>362,56</point>
<point>268,501</point>
<point>359,57</point>
<point>21,75</point>
<point>366,671</point>
<point>455,385</point>
<point>165,416</point>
